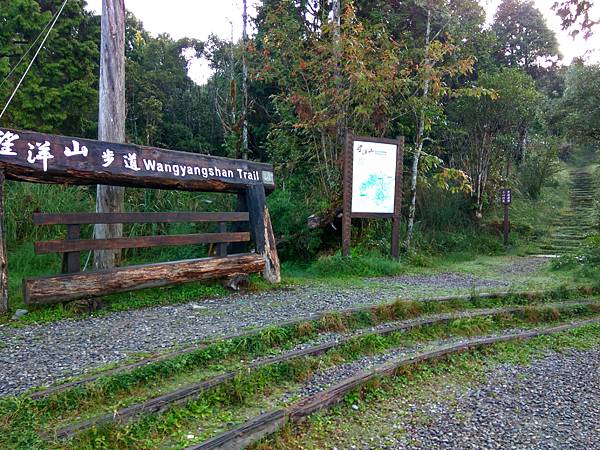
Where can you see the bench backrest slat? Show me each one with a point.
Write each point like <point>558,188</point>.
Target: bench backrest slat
<point>137,217</point>
<point>77,245</point>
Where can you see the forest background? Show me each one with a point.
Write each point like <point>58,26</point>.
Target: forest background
<point>481,107</point>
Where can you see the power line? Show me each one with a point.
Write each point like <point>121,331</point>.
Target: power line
<point>28,50</point>
<point>34,57</point>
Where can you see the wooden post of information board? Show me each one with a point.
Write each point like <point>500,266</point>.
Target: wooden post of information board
<point>262,231</point>
<point>348,214</point>
<point>398,199</point>
<point>347,207</point>
<point>3,255</point>
<point>506,200</point>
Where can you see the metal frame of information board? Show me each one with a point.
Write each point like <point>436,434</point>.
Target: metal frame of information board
<point>348,215</point>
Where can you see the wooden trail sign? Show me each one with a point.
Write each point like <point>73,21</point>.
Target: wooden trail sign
<point>373,169</point>
<point>506,200</point>
<point>44,158</point>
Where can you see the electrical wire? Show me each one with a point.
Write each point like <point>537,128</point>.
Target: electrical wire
<point>33,59</point>
<point>28,50</point>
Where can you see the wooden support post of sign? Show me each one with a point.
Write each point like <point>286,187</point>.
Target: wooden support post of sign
<point>111,118</point>
<point>347,200</point>
<point>222,247</point>
<point>71,262</point>
<point>262,231</point>
<point>398,199</point>
<point>3,254</point>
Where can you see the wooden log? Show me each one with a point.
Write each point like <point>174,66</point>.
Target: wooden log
<point>136,242</point>
<point>60,288</point>
<point>137,217</point>
<point>3,254</point>
<point>245,435</point>
<point>262,232</point>
<point>158,168</point>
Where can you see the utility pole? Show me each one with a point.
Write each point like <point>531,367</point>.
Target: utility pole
<point>111,118</point>
<point>245,81</point>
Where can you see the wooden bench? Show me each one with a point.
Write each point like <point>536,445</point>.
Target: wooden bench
<point>74,283</point>
<point>134,166</point>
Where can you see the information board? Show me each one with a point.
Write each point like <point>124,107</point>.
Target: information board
<point>374,177</point>
<point>372,184</point>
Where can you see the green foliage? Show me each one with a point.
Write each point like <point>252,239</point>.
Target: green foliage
<point>524,39</point>
<point>540,165</point>
<point>586,261</point>
<point>577,113</point>
<point>60,92</point>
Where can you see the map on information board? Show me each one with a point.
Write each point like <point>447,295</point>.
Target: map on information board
<point>374,177</point>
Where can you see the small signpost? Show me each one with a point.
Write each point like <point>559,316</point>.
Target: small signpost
<point>43,158</point>
<point>372,184</point>
<point>506,200</point>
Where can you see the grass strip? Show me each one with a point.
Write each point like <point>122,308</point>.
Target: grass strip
<point>153,429</point>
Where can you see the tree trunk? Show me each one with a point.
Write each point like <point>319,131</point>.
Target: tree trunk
<point>245,83</point>
<point>3,255</point>
<point>336,8</point>
<point>418,145</point>
<point>111,118</point>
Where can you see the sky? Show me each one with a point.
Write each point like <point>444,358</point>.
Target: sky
<point>200,18</point>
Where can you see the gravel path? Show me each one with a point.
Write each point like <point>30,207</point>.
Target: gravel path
<point>447,280</point>
<point>38,355</point>
<point>553,404</point>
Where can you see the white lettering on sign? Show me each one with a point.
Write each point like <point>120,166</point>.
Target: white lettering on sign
<point>130,160</point>
<point>43,154</point>
<point>108,156</point>
<point>77,150</point>
<point>183,170</point>
<point>7,141</point>
<point>42,151</point>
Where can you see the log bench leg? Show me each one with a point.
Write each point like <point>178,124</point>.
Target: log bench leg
<point>262,231</point>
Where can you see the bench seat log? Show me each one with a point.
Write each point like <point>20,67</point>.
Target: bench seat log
<point>59,246</point>
<point>137,217</point>
<point>61,288</point>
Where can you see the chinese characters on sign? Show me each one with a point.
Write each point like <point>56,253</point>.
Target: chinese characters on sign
<point>53,156</point>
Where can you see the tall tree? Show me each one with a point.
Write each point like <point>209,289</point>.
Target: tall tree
<point>578,111</point>
<point>245,80</point>
<point>576,15</point>
<point>524,39</point>
<point>487,129</point>
<point>59,94</point>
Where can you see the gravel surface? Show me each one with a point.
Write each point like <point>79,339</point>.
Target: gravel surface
<point>553,404</point>
<point>38,355</point>
<point>41,354</point>
<point>524,266</point>
<point>326,378</point>
<point>448,280</point>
